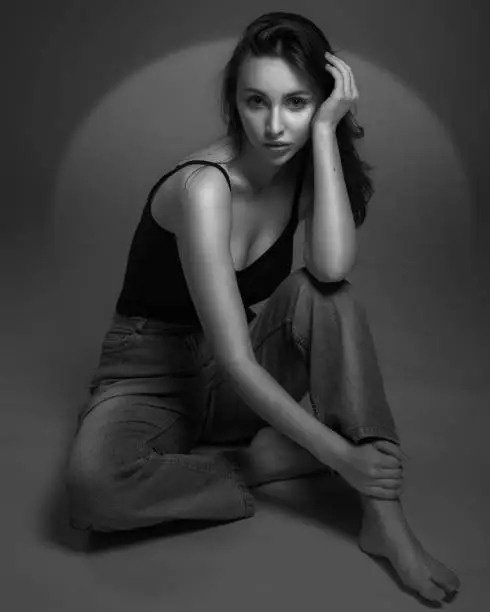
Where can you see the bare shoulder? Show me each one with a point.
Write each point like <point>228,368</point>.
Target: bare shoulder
<point>165,207</point>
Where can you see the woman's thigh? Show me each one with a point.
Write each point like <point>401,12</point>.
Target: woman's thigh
<point>142,392</point>
<point>122,431</point>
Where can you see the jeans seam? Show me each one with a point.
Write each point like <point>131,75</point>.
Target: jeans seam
<point>174,460</point>
<point>270,332</point>
<point>316,413</point>
<point>298,337</point>
<point>236,475</point>
<point>233,474</point>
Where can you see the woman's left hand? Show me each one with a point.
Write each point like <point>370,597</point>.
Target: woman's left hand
<point>344,95</point>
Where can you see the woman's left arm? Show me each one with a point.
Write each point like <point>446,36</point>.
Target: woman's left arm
<point>330,232</point>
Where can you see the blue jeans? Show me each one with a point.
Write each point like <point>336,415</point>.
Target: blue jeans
<point>157,393</point>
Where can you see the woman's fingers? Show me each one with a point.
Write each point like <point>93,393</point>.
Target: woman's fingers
<point>380,493</point>
<point>388,462</point>
<point>389,483</point>
<point>350,89</point>
<point>392,472</point>
<point>389,448</point>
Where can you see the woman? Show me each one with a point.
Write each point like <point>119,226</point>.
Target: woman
<point>186,360</point>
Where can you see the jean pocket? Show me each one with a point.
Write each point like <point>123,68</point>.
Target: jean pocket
<point>116,339</point>
<point>200,349</point>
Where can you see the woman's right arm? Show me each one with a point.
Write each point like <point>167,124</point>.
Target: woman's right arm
<point>203,238</point>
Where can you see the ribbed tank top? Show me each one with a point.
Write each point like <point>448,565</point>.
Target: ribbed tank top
<point>154,283</point>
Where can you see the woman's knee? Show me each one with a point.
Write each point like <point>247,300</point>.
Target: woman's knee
<point>98,472</point>
<point>338,293</point>
<point>330,302</point>
<point>302,277</point>
<point>86,479</point>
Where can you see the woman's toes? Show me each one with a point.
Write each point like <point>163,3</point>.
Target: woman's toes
<point>443,576</point>
<point>418,576</point>
<point>432,592</point>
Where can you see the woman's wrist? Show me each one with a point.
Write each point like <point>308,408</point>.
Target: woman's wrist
<point>333,449</point>
<point>323,130</point>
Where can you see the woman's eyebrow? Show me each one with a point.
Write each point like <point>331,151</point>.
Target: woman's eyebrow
<point>298,92</point>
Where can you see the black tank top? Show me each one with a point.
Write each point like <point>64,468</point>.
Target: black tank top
<point>154,284</point>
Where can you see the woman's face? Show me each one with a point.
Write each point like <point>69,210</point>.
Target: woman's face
<point>275,104</point>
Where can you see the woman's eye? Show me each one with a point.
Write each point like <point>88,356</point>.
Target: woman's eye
<point>302,101</point>
<point>297,101</point>
<point>254,99</point>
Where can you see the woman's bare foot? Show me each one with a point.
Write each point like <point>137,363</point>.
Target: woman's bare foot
<point>386,533</point>
<point>272,456</point>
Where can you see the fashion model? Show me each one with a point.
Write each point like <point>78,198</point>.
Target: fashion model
<point>214,340</point>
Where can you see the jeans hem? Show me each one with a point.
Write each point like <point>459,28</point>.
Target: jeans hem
<point>358,434</point>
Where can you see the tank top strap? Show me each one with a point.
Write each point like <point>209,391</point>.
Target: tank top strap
<point>207,163</point>
<point>160,181</point>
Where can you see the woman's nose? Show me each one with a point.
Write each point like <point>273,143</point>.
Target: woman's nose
<point>275,125</point>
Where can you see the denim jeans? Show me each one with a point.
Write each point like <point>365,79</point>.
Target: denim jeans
<point>157,393</point>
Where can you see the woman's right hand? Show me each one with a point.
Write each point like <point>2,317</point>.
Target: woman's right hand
<point>374,469</point>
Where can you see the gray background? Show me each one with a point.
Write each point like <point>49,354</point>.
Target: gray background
<point>99,100</point>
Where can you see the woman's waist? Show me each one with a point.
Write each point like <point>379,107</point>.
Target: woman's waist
<point>141,319</point>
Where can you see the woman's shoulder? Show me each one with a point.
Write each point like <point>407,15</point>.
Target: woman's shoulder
<point>164,206</point>
<point>217,152</point>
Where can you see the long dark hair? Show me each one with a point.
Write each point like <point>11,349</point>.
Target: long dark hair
<point>301,44</point>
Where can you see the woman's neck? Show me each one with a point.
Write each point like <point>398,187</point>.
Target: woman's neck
<point>260,175</point>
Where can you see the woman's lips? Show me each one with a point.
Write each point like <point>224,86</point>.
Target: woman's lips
<point>277,148</point>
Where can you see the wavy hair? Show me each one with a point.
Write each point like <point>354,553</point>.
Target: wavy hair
<point>299,42</point>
